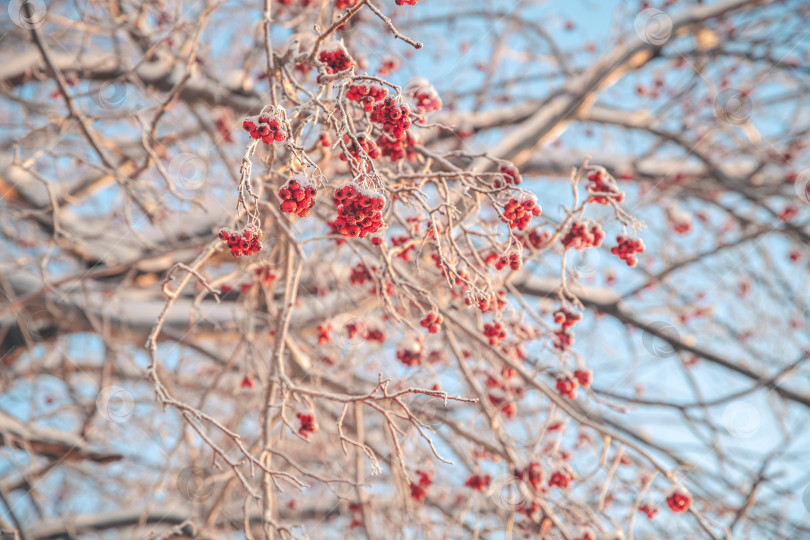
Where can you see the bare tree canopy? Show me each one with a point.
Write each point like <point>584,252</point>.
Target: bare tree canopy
<point>405,269</point>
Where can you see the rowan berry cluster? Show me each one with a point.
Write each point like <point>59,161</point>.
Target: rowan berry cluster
<point>336,60</point>
<point>650,511</point>
<point>599,184</point>
<point>584,377</point>
<point>535,238</point>
<point>394,117</point>
<point>406,2</point>
<point>478,482</point>
<point>297,195</point>
<point>491,303</point>
<point>563,340</point>
<point>366,144</point>
<point>410,358</point>
<point>580,237</point>
<point>245,242</point>
<point>495,332</point>
<point>266,126</point>
<point>359,211</point>
<point>679,501</point>
<point>419,489</point>
<point>324,334</point>
<point>366,94</point>
<point>265,275</point>
<point>433,322</point>
<point>397,149</point>
<point>518,214</point>
<point>561,478</point>
<point>567,386</point>
<point>508,175</point>
<point>424,95</point>
<point>627,249</point>
<point>360,274</point>
<point>308,425</point>
<point>566,319</point>
<point>512,261</point>
<point>533,475</point>
<point>324,139</point>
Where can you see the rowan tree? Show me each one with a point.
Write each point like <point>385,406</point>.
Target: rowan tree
<point>404,269</point>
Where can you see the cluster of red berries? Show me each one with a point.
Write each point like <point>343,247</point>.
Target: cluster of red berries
<point>495,332</point>
<point>323,139</point>
<point>360,274</point>
<point>343,4</point>
<point>265,274</point>
<point>245,242</point>
<point>563,340</point>
<point>679,501</point>
<point>406,2</point>
<point>478,481</point>
<point>297,196</point>
<point>518,214</point>
<point>410,358</point>
<point>336,60</point>
<point>584,377</point>
<point>265,126</point>
<point>580,237</point>
<point>535,238</point>
<point>508,408</point>
<point>650,511</point>
<point>419,489</point>
<point>433,322</point>
<point>324,334</point>
<point>533,475</point>
<point>397,149</point>
<point>566,319</point>
<point>607,191</point>
<point>366,144</point>
<point>424,95</point>
<point>393,116</point>
<point>359,211</point>
<point>512,261</point>
<point>508,175</point>
<point>366,94</point>
<point>490,303</point>
<point>567,386</point>
<point>561,478</point>
<point>308,425</point>
<point>627,249</point>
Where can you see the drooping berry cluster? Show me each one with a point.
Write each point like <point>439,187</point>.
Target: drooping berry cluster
<point>563,340</point>
<point>366,144</point>
<point>584,377</point>
<point>601,190</point>
<point>534,239</point>
<point>245,242</point>
<point>561,478</point>
<point>360,274</point>
<point>424,95</point>
<point>533,475</point>
<point>394,117</point>
<point>679,501</point>
<point>627,249</point>
<point>518,214</point>
<point>567,386</point>
<point>308,425</point>
<point>433,322</point>
<point>508,175</point>
<point>478,481</point>
<point>366,94</point>
<point>419,489</point>
<point>512,261</point>
<point>359,211</point>
<point>397,149</point>
<point>580,237</point>
<point>297,195</point>
<point>267,126</point>
<point>566,319</point>
<point>336,60</point>
<point>410,358</point>
<point>495,332</point>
